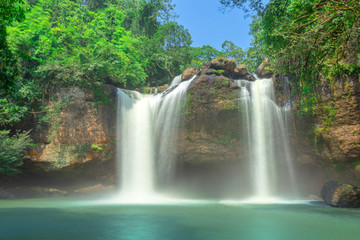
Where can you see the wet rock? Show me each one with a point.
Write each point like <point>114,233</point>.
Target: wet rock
<point>46,192</point>
<point>240,72</point>
<point>189,73</point>
<point>265,70</point>
<point>313,197</point>
<point>223,64</point>
<point>212,72</point>
<point>212,109</point>
<point>151,90</point>
<point>341,195</point>
<point>98,188</point>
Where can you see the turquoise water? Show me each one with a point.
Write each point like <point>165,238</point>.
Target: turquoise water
<point>63,219</point>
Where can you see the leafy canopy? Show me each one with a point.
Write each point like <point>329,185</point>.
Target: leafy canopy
<point>64,43</point>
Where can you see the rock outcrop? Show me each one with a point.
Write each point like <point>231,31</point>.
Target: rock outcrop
<point>75,148</point>
<point>241,72</point>
<point>189,73</point>
<point>265,70</point>
<point>328,140</point>
<point>224,65</point>
<point>211,112</point>
<point>341,195</point>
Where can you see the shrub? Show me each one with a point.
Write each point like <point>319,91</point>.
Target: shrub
<point>11,152</point>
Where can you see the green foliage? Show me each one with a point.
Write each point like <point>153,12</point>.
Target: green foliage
<point>167,52</point>
<point>126,43</point>
<point>96,147</point>
<point>230,50</point>
<point>329,115</point>
<point>100,98</point>
<point>246,5</point>
<point>307,40</point>
<point>11,152</point>
<point>63,43</point>
<point>10,113</point>
<point>251,56</point>
<point>225,140</point>
<point>204,54</point>
<point>223,82</point>
<point>10,11</point>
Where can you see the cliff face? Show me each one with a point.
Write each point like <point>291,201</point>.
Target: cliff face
<point>75,153</point>
<point>337,125</point>
<point>75,149</point>
<point>330,139</point>
<point>325,146</point>
<point>211,151</point>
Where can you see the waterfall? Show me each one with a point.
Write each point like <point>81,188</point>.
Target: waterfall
<point>269,152</point>
<point>147,130</point>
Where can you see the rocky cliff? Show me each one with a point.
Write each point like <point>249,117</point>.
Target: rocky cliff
<point>75,152</point>
<point>328,141</point>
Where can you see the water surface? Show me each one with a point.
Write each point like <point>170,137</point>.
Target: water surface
<point>38,219</point>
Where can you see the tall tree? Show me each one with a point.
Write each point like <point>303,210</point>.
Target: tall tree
<point>63,43</point>
<point>168,52</point>
<point>10,11</point>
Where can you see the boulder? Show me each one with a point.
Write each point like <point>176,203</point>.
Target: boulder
<point>227,65</point>
<point>240,72</point>
<point>313,197</point>
<point>212,109</point>
<point>98,188</point>
<point>341,195</point>
<point>46,192</point>
<point>211,72</point>
<point>265,70</point>
<point>189,73</point>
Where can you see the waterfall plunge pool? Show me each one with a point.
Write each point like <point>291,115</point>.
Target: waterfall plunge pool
<point>37,219</point>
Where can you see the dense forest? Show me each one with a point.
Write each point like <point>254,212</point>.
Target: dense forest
<point>47,44</point>
<point>310,40</point>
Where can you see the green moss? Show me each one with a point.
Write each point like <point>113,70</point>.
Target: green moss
<point>100,98</point>
<point>329,115</point>
<point>188,104</point>
<point>223,82</point>
<point>96,147</point>
<point>230,106</point>
<point>225,140</point>
<point>338,166</point>
<point>355,163</point>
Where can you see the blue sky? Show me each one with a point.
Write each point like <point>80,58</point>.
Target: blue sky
<point>208,25</point>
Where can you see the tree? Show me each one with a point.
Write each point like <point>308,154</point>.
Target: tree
<point>64,43</point>
<point>204,53</point>
<point>306,38</point>
<point>309,40</point>
<point>10,11</point>
<point>230,50</point>
<point>168,53</point>
<point>246,5</point>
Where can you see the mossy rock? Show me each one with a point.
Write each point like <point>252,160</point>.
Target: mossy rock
<point>341,195</point>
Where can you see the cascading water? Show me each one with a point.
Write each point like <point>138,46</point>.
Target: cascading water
<point>147,127</point>
<point>270,158</point>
